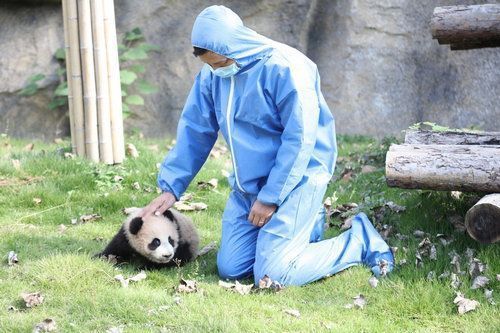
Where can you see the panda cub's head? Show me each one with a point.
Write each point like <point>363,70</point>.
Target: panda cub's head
<point>156,238</point>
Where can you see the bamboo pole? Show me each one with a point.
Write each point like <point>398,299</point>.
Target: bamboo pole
<point>75,77</point>
<point>115,95</point>
<point>68,76</point>
<point>101,74</point>
<point>89,91</point>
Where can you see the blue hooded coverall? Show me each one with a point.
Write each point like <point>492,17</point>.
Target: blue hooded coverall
<point>281,135</point>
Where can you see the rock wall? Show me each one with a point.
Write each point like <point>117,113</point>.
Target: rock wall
<point>381,71</point>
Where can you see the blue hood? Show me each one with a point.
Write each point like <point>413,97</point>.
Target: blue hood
<point>219,29</point>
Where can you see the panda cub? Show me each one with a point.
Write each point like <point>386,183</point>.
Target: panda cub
<point>155,241</point>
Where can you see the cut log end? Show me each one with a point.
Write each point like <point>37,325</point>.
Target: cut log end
<point>483,219</point>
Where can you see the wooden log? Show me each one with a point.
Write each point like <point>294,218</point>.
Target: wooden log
<point>444,167</point>
<point>102,88</point>
<point>115,91</point>
<point>483,219</point>
<point>68,76</point>
<point>451,138</point>
<point>466,27</point>
<point>75,93</point>
<point>89,84</point>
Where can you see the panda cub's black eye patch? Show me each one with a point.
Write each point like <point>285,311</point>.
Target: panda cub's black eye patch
<point>154,244</point>
<point>171,241</point>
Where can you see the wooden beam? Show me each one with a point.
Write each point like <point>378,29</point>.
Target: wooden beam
<point>451,138</point>
<point>483,219</point>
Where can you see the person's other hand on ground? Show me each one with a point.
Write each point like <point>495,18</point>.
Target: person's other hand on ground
<point>159,205</point>
<point>261,213</point>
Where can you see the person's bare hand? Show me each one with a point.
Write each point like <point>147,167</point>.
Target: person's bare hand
<point>261,213</point>
<point>159,205</point>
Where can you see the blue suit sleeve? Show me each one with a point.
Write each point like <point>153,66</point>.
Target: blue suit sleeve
<point>298,106</point>
<point>196,135</point>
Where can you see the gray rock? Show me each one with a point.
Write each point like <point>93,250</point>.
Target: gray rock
<point>381,71</point>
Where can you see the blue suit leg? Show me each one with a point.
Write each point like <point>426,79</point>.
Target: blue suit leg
<point>285,253</point>
<point>236,254</point>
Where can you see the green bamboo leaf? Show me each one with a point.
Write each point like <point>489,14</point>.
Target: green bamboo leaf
<point>148,47</point>
<point>135,34</point>
<point>61,71</point>
<point>60,54</point>
<point>61,90</point>
<point>36,78</point>
<point>127,77</point>
<point>29,90</point>
<point>57,102</point>
<point>138,68</point>
<point>134,100</point>
<point>146,87</point>
<point>135,53</point>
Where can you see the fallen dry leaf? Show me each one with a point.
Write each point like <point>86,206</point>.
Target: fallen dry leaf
<point>187,197</point>
<point>455,262</point>
<point>62,228</point>
<point>464,304</point>
<point>292,312</point>
<point>455,281</point>
<point>488,294</point>
<point>469,253</point>
<point>32,299</point>
<point>114,330</point>
<point>187,286</point>
<point>29,147</point>
<point>12,308</point>
<point>16,164</point>
<point>476,268</point>
<point>74,221</point>
<point>138,277</point>
<point>368,169</point>
<point>69,156</point>
<point>383,267</point>
<point>131,150</point>
<point>199,205</point>
<point>402,262</point>
<point>47,325</point>
<point>359,301</point>
<point>458,223</point>
<point>394,207</point>
<point>456,195</point>
<point>183,206</point>
<point>419,234</point>
<point>242,289</point>
<point>12,258</point>
<point>136,186</point>
<point>431,276</point>
<point>498,277</point>
<point>37,201</point>
<point>445,240</point>
<point>208,185</point>
<point>58,141</point>
<point>124,282</point>
<point>89,218</point>
<point>480,282</point>
<point>373,281</point>
<point>444,275</point>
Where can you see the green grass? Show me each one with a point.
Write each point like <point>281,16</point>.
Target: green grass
<point>82,296</point>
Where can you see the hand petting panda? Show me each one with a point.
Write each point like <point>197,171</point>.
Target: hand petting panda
<point>155,241</point>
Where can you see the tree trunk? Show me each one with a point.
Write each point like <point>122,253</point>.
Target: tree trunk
<point>452,138</point>
<point>467,27</point>
<point>444,167</point>
<point>483,219</point>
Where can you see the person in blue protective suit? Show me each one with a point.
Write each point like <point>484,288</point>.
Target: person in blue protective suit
<point>265,99</point>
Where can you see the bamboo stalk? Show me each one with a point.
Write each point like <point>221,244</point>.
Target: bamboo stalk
<point>101,74</point>
<point>68,76</point>
<point>89,91</point>
<point>75,77</point>
<point>115,96</point>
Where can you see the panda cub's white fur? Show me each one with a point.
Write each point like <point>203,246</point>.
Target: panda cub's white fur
<point>157,241</point>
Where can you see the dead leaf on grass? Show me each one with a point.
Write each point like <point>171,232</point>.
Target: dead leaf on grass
<point>89,218</point>
<point>292,312</point>
<point>208,185</point>
<point>431,276</point>
<point>199,205</point>
<point>136,186</point>
<point>455,281</point>
<point>455,262</point>
<point>131,150</point>
<point>373,281</point>
<point>458,223</point>
<point>464,304</point>
<point>62,228</point>
<point>12,258</point>
<point>444,239</point>
<point>32,299</point>
<point>187,197</point>
<point>476,268</point>
<point>488,294</point>
<point>368,169</point>
<point>29,147</point>
<point>16,164</point>
<point>359,302</point>
<point>444,275</point>
<point>47,325</point>
<point>456,195</point>
<point>135,278</point>
<point>242,289</point>
<point>37,201</point>
<point>114,330</point>
<point>427,249</point>
<point>12,308</point>
<point>69,156</point>
<point>480,282</point>
<point>394,207</point>
<point>58,141</point>
<point>187,286</point>
<point>183,206</point>
<point>419,234</point>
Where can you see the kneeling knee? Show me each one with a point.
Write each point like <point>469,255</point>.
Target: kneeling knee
<point>228,270</point>
<point>274,269</point>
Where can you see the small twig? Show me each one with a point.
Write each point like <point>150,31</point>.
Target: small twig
<point>206,249</point>
<point>43,211</point>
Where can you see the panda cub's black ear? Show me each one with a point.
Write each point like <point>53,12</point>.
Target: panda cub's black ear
<point>169,215</point>
<point>135,225</point>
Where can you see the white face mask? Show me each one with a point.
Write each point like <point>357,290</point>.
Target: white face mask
<point>226,71</point>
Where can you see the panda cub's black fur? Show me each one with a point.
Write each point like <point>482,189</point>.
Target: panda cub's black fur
<point>155,241</point>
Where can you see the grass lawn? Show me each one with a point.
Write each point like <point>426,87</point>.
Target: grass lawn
<point>81,294</point>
